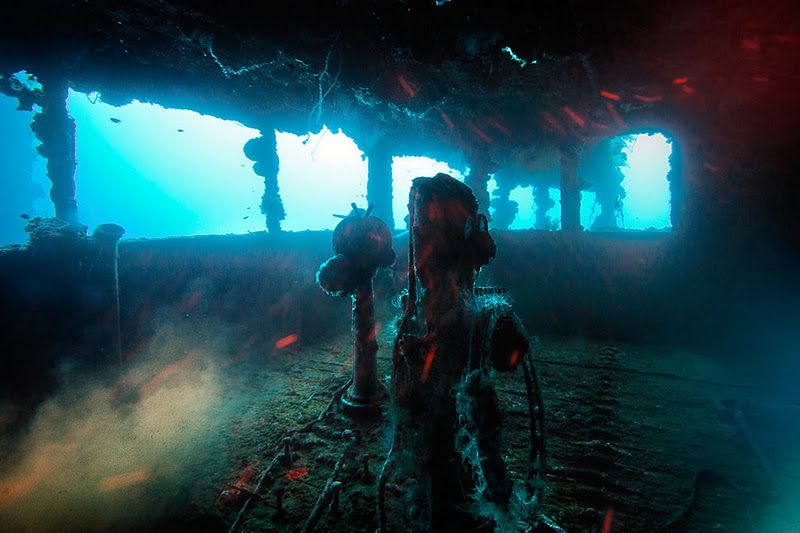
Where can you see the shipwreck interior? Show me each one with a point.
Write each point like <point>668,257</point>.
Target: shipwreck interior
<point>406,265</point>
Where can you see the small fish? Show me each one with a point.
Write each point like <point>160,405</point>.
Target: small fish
<point>575,117</point>
<point>286,341</point>
<point>409,90</point>
<point>26,216</point>
<point>180,130</point>
<point>553,122</point>
<point>446,119</point>
<point>498,126</point>
<point>296,473</point>
<point>648,99</point>
<point>479,132</point>
<point>245,218</point>
<point>115,120</point>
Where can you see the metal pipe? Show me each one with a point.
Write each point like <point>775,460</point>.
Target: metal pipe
<point>365,393</point>
<point>570,191</point>
<point>105,279</point>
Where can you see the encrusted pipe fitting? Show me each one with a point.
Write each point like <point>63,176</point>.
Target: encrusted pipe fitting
<point>362,244</point>
<point>104,280</point>
<point>336,489</point>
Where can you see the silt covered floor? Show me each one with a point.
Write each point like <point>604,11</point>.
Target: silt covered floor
<point>646,437</point>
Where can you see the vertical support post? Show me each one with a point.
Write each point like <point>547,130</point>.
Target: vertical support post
<point>105,280</point>
<point>543,202</point>
<point>55,129</point>
<point>264,152</point>
<point>379,181</point>
<point>478,179</point>
<point>570,193</point>
<point>505,210</point>
<point>365,392</point>
<point>363,244</point>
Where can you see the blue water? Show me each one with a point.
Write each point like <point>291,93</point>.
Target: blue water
<point>647,198</point>
<point>163,172</point>
<point>24,187</point>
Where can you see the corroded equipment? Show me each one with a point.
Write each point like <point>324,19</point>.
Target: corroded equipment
<point>362,244</point>
<point>446,439</point>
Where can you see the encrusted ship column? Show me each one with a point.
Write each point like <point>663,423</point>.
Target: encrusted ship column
<point>602,168</point>
<point>264,151</point>
<point>362,244</point>
<point>365,391</point>
<point>570,190</point>
<point>481,166</point>
<point>543,203</point>
<point>379,182</point>
<point>55,129</point>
